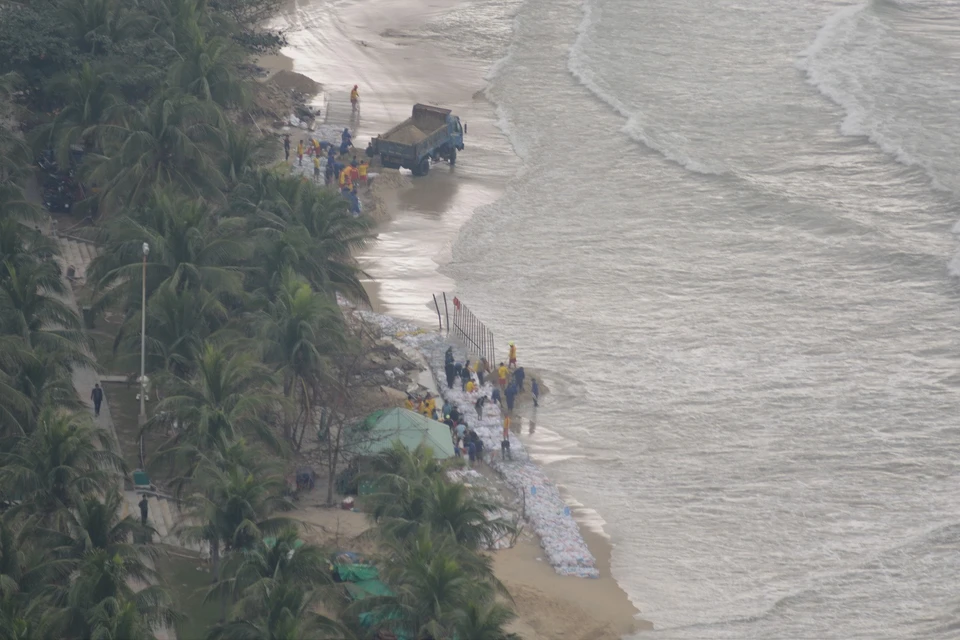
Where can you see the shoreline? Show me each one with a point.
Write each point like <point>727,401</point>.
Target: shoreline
<point>417,221</point>
<point>581,599</point>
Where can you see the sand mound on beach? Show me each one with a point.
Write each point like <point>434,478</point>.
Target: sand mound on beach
<point>291,81</point>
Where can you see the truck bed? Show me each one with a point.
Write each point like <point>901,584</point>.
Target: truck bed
<point>406,133</point>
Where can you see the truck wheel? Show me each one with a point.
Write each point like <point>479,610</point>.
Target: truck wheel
<point>453,157</point>
<point>423,168</point>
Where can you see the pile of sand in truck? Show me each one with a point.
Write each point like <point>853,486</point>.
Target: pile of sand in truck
<point>410,134</point>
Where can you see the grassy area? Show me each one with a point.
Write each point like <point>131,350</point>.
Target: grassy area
<point>187,578</point>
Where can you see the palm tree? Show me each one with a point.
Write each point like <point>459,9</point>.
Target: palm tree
<point>28,309</point>
<point>112,619</point>
<point>15,406</point>
<point>434,580</point>
<point>259,574</point>
<point>21,246</point>
<point>22,598</point>
<point>235,506</point>
<point>95,523</point>
<point>89,100</point>
<point>178,323</point>
<point>15,160</point>
<point>412,465</point>
<point>306,228</point>
<point>37,377</point>
<point>287,559</point>
<point>298,332</point>
<point>207,69</point>
<point>64,459</point>
<point>485,621</point>
<point>401,507</point>
<point>190,248</point>
<point>242,152</point>
<point>97,24</point>
<point>283,611</point>
<point>453,508</point>
<point>226,399</point>
<point>335,233</point>
<point>101,596</point>
<point>172,141</point>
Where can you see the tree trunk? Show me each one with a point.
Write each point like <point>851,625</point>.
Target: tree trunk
<point>306,414</point>
<point>215,561</point>
<point>289,433</point>
<point>332,458</point>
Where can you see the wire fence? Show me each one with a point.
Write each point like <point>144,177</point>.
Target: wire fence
<point>459,322</point>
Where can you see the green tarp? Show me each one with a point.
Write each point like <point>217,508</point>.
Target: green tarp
<point>371,619</point>
<point>410,429</point>
<point>357,572</point>
<point>367,588</point>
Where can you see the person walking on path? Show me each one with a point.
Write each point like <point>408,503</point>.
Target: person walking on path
<point>286,147</point>
<point>502,372</point>
<point>355,97</point>
<point>512,361</point>
<point>535,390</point>
<point>518,377</point>
<point>300,153</point>
<point>144,507</point>
<point>511,395</point>
<point>97,396</point>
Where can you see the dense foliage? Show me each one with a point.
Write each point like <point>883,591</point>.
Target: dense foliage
<point>143,100</point>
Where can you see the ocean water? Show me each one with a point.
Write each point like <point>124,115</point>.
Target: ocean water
<point>730,247</point>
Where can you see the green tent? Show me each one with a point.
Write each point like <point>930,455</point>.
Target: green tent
<point>382,428</point>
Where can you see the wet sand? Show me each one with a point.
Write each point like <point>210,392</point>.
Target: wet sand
<point>365,43</point>
<point>347,46</point>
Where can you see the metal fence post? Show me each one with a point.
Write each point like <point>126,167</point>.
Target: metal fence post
<point>439,319</point>
<point>446,310</point>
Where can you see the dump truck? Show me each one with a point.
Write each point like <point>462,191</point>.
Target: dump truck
<point>430,134</point>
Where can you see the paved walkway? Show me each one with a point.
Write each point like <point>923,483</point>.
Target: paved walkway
<point>84,378</point>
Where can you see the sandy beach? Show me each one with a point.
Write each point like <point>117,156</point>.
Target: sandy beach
<point>369,44</point>
<point>549,606</point>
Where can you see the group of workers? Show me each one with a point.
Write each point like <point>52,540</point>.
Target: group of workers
<point>470,377</point>
<point>348,176</point>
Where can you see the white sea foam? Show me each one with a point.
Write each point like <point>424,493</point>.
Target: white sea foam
<point>503,117</point>
<point>579,65</point>
<point>826,63</point>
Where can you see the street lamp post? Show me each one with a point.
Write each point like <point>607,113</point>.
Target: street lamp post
<point>142,419</point>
